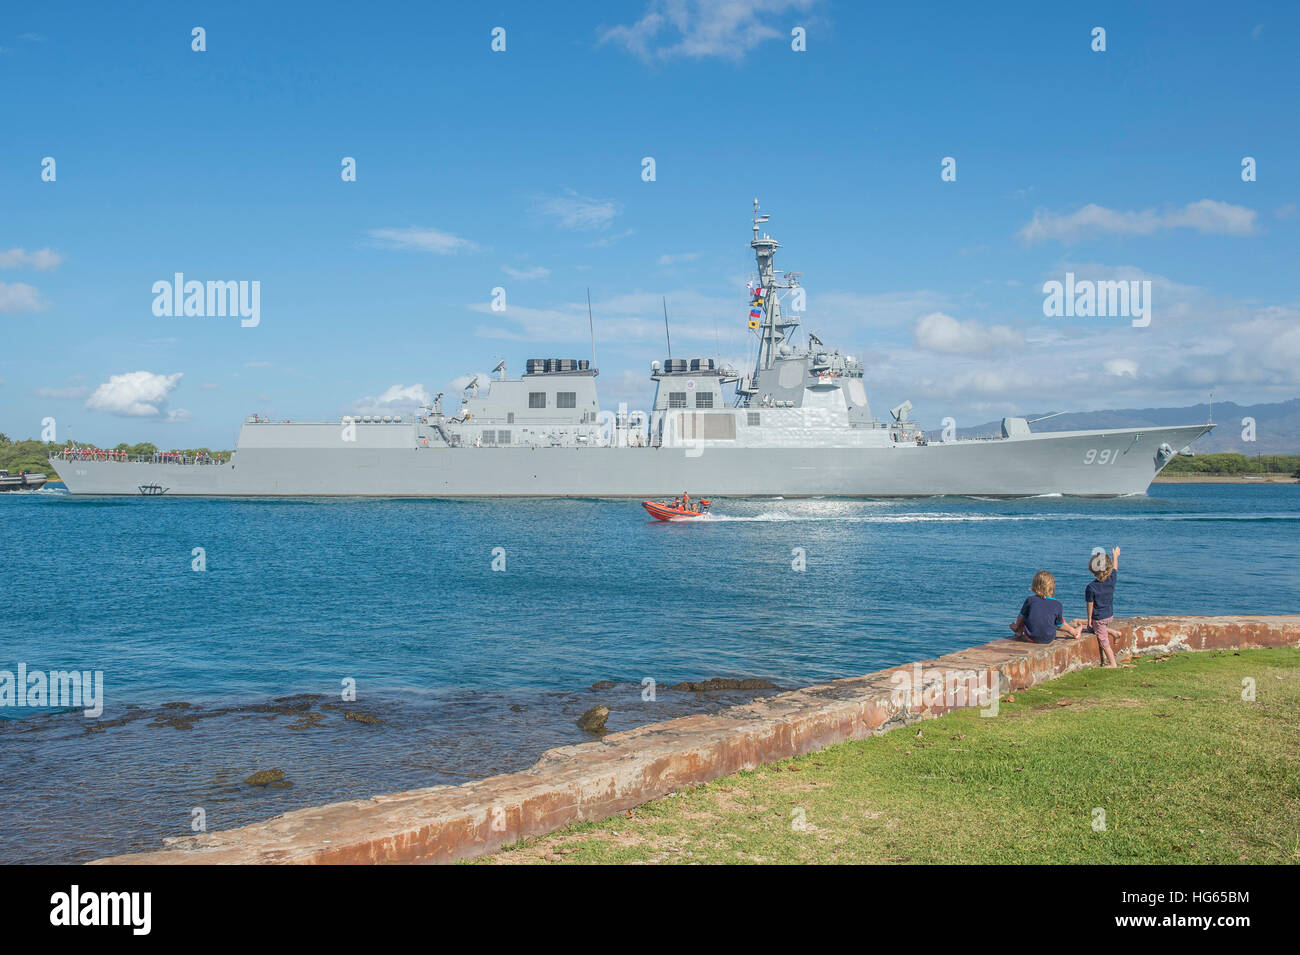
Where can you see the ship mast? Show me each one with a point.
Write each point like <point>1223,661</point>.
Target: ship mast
<point>775,328</point>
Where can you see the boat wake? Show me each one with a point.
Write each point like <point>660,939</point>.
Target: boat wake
<point>950,518</point>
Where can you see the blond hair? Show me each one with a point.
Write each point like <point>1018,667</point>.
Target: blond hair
<point>1044,584</point>
<point>1107,567</point>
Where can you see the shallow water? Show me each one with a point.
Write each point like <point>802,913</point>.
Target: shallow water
<point>401,597</point>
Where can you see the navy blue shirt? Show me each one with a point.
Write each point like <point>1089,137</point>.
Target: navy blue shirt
<point>1101,594</point>
<point>1042,617</point>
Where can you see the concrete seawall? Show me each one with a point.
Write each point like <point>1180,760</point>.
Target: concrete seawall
<point>622,770</point>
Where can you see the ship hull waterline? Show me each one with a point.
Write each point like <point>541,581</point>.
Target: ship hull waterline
<point>1108,463</point>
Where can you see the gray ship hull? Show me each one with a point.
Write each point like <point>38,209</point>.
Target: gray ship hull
<point>1083,463</point>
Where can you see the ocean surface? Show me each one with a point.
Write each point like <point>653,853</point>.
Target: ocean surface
<point>462,670</point>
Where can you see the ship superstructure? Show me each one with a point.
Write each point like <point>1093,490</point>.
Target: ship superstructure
<point>798,424</point>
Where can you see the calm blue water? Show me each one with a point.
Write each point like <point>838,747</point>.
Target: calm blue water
<point>401,597</point>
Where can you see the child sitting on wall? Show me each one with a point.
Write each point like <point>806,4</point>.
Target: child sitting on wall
<point>1040,615</point>
<point>1100,598</point>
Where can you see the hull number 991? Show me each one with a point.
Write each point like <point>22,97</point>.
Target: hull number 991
<point>1104,456</point>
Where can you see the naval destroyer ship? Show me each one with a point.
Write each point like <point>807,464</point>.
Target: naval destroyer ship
<point>798,424</point>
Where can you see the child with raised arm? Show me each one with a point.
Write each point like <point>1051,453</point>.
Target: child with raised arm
<point>1100,598</point>
<point>1040,615</point>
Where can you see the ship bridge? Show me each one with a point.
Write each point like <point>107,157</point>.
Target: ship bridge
<point>553,403</point>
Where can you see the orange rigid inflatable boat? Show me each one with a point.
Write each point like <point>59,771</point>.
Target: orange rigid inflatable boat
<point>666,512</point>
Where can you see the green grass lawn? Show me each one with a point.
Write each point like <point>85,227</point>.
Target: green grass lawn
<point>1184,768</point>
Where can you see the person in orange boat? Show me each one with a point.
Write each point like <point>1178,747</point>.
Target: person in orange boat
<point>686,502</point>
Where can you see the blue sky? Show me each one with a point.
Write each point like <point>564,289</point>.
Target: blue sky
<point>522,170</point>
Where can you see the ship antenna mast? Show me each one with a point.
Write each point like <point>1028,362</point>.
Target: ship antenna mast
<point>666,335</point>
<point>591,325</point>
<point>775,328</point>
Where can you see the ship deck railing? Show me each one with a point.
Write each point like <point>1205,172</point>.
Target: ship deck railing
<point>161,457</point>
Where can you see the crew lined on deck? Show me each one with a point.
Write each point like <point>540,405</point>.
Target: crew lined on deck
<point>155,457</point>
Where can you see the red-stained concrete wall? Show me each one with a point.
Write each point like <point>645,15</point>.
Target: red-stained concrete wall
<point>623,770</point>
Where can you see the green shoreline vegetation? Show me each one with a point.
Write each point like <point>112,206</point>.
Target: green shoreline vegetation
<point>1184,768</point>
<point>1234,465</point>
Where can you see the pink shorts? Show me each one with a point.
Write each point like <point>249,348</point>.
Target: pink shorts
<point>1102,629</point>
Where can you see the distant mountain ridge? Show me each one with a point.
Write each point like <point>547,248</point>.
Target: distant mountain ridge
<point>1277,425</point>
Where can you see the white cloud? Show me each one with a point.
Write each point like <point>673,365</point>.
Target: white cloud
<point>575,211</point>
<point>564,323</point>
<point>42,260</point>
<point>136,394</point>
<point>607,241</point>
<point>536,272</point>
<point>17,297</point>
<point>702,28</point>
<point>636,316</point>
<point>943,333</point>
<point>422,240</point>
<point>396,398</point>
<point>853,309</point>
<point>982,382</point>
<point>1206,216</point>
<point>75,392</point>
<point>1196,343</point>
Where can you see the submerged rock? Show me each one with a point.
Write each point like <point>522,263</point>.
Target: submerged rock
<point>265,777</point>
<point>724,683</point>
<point>287,704</point>
<point>361,717</point>
<point>604,685</point>
<point>306,720</point>
<point>181,722</point>
<point>593,721</point>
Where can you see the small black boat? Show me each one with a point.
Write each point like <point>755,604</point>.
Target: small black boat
<point>22,481</point>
